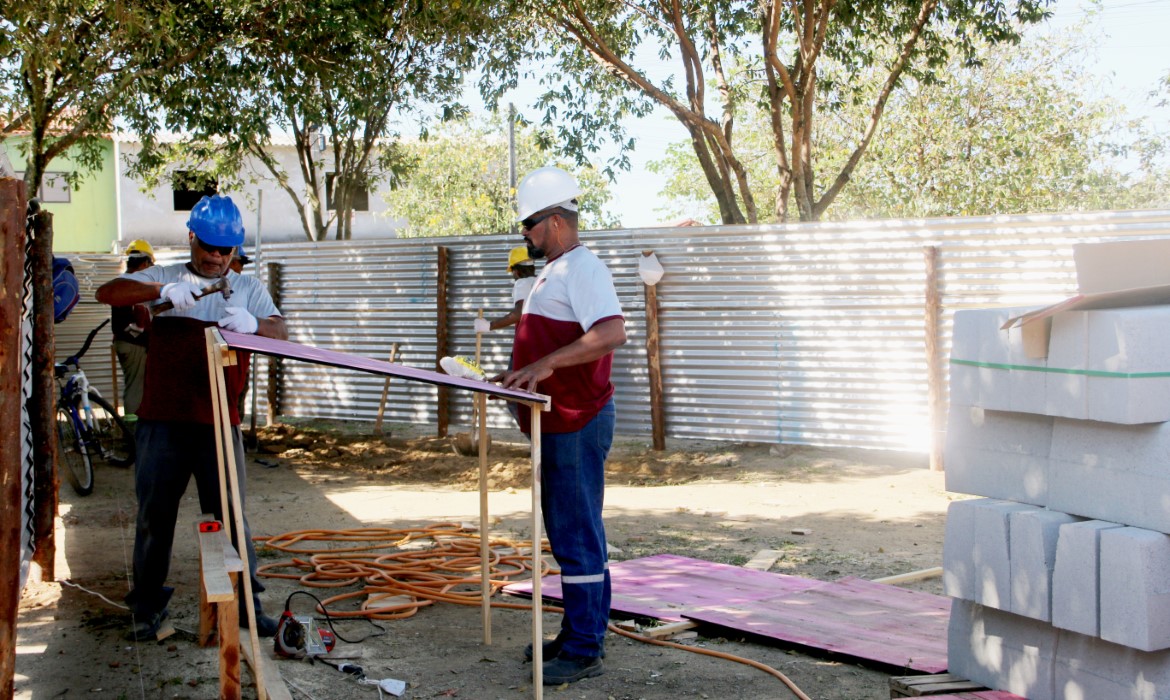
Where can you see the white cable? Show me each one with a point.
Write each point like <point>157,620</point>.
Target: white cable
<point>67,582</point>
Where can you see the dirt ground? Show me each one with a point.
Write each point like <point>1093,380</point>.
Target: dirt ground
<point>867,514</point>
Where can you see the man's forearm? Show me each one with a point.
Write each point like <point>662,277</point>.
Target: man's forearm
<point>125,292</point>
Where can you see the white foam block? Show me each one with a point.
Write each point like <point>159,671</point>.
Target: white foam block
<point>1076,577</point>
<point>998,454</point>
<point>977,553</point>
<point>1107,471</point>
<point>1001,650</point>
<point>1129,341</point>
<point>1033,544</point>
<point>1064,392</point>
<point>1135,588</point>
<point>1087,668</point>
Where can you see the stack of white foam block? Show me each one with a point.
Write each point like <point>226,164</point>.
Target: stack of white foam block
<point>1060,573</point>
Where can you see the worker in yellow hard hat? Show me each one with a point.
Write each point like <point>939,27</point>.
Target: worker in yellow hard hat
<point>130,326</point>
<point>523,271</point>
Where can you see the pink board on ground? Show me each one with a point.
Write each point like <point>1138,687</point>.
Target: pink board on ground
<point>852,616</point>
<point>981,695</point>
<point>890,625</point>
<point>664,586</point>
<point>333,358</point>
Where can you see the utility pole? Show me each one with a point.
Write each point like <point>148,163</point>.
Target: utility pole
<point>512,161</point>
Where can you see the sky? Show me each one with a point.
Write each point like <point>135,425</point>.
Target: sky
<point>1132,57</point>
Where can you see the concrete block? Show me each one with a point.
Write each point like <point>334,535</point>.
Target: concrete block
<point>977,551</point>
<point>1087,668</point>
<point>1129,341</point>
<point>1033,557</point>
<point>1066,394</point>
<point>1001,650</point>
<point>997,454</point>
<point>1135,588</point>
<point>1113,472</point>
<point>1076,577</point>
<point>1027,387</point>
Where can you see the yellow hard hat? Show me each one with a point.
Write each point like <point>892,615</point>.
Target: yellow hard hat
<point>518,256</point>
<point>140,247</point>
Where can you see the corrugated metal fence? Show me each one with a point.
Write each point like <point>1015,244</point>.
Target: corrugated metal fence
<point>802,333</point>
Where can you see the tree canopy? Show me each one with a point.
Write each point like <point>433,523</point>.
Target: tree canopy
<point>458,182</point>
<point>340,76</point>
<point>592,55</point>
<point>1020,132</point>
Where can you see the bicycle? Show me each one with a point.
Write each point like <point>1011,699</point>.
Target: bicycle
<point>83,434</point>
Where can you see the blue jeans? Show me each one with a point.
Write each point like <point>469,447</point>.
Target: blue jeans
<point>572,495</point>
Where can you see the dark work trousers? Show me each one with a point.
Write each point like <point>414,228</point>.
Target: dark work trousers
<point>572,477</point>
<point>169,454</point>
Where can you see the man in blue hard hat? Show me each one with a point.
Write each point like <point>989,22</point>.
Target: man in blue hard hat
<point>175,434</point>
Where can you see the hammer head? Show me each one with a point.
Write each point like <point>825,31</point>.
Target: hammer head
<point>222,285</point>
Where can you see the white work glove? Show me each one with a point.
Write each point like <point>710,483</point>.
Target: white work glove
<point>239,320</point>
<point>482,325</point>
<point>181,294</point>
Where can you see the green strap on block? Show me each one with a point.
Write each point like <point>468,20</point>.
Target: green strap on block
<point>1062,370</point>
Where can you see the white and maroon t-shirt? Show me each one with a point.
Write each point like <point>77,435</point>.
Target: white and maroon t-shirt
<point>573,293</point>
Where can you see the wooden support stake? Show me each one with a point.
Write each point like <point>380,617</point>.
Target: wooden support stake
<point>935,371</point>
<point>442,340</point>
<point>12,217</point>
<point>274,363</point>
<point>227,464</point>
<point>264,668</point>
<point>385,392</point>
<point>114,378</point>
<point>669,630</point>
<point>218,609</point>
<point>653,358</point>
<point>537,602</point>
<point>484,538</point>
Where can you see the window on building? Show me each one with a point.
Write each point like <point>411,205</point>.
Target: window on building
<point>189,186</point>
<point>361,198</point>
<point>54,188</point>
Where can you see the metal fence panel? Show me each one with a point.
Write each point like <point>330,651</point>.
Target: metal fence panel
<point>796,333</point>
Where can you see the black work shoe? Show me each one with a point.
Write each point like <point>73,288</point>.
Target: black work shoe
<point>568,668</point>
<point>550,649</point>
<point>146,629</point>
<point>265,626</point>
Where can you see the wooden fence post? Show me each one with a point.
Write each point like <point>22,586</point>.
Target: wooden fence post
<point>653,358</point>
<point>43,403</point>
<point>935,385</point>
<point>274,363</point>
<point>12,212</point>
<point>442,340</point>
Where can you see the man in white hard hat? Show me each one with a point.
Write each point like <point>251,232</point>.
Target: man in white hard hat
<point>564,345</point>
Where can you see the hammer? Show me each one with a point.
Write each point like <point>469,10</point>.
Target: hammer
<point>220,285</point>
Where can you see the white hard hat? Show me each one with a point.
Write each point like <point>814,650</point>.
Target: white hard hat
<point>545,188</point>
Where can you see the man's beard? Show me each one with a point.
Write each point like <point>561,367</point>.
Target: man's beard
<point>534,252</point>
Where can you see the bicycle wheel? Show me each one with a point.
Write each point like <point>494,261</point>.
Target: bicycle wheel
<point>115,443</point>
<point>72,457</point>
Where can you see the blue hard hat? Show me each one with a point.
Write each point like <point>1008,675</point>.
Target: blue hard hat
<point>216,220</point>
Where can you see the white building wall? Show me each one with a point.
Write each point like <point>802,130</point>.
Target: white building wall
<point>151,215</point>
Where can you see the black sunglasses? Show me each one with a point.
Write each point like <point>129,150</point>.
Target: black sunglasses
<point>224,250</point>
<point>532,221</point>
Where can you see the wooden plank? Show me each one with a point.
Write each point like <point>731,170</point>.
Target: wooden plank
<point>264,670</point>
<point>911,576</point>
<point>763,560</point>
<point>228,614</point>
<point>932,684</point>
<point>217,587</point>
<point>442,340</point>
<point>669,629</point>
